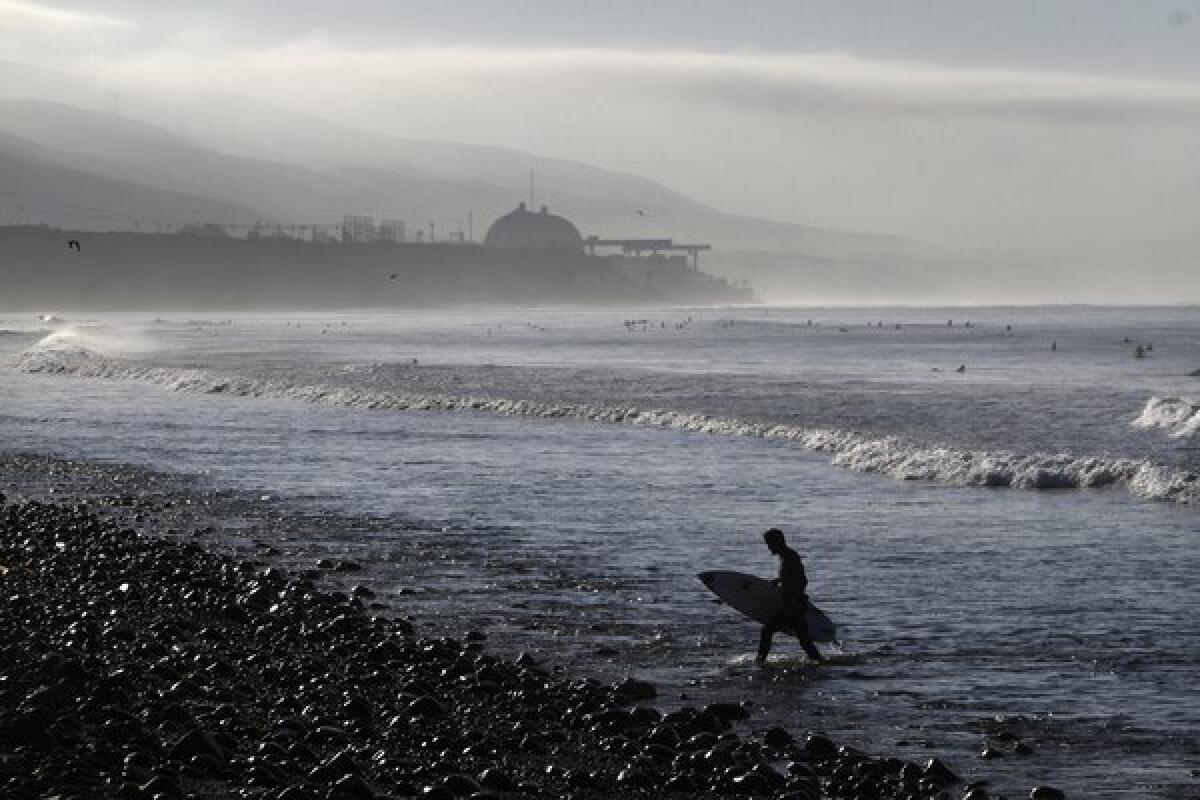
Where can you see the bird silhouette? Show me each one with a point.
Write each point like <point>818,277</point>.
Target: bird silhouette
<point>73,244</point>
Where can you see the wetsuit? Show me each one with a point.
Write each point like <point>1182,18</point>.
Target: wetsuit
<point>794,584</point>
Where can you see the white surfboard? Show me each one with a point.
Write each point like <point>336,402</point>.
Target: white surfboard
<point>760,600</point>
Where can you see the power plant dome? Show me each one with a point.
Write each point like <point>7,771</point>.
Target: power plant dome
<point>523,229</point>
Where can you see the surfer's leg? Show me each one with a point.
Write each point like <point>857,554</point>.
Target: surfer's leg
<point>811,650</point>
<point>768,633</point>
<point>800,626</point>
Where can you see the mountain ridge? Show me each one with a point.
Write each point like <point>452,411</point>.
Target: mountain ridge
<point>319,170</point>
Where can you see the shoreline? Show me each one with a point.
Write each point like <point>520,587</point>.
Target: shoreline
<point>293,688</point>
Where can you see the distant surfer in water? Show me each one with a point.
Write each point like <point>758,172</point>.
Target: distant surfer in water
<point>794,584</point>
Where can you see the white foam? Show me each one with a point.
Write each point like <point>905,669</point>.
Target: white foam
<point>888,455</point>
<point>95,339</point>
<point>1179,416</point>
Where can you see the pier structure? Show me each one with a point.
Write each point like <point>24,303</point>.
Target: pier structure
<point>641,248</point>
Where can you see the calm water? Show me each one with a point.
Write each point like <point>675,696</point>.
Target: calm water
<point>1066,617</point>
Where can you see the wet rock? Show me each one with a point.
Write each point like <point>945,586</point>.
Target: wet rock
<point>681,784</point>
<point>461,785</point>
<point>296,793</point>
<point>1047,793</point>
<point>819,746</point>
<point>938,773</point>
<point>350,787</point>
<point>777,737</point>
<point>804,793</point>
<point>197,743</point>
<point>164,785</point>
<point>752,783</point>
<point>204,766</point>
<point>707,722</point>
<point>632,690</point>
<point>425,707</point>
<point>727,712</point>
<point>665,735</point>
<point>497,779</point>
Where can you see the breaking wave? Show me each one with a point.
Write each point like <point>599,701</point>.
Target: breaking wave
<point>894,456</point>
<point>1178,416</point>
<point>92,340</point>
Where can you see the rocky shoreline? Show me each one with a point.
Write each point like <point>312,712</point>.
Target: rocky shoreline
<point>143,666</point>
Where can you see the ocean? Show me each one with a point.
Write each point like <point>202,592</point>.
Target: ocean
<point>998,506</point>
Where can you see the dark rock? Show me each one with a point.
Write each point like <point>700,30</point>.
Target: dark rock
<point>461,785</point>
<point>342,763</point>
<point>351,787</point>
<point>204,766</point>
<point>162,785</point>
<point>777,737</point>
<point>1047,793</point>
<point>938,773</point>
<point>752,783</point>
<point>295,793</point>
<point>819,746</point>
<point>727,712</point>
<point>197,742</point>
<point>498,779</point>
<point>425,707</point>
<point>632,689</point>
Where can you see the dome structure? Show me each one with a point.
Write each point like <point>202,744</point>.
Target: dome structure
<point>523,229</point>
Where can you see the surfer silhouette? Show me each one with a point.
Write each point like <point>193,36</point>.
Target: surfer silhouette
<point>794,584</point>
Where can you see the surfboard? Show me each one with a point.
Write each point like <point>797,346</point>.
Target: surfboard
<point>760,600</point>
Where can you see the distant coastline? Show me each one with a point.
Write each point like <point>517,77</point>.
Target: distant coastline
<point>39,269</point>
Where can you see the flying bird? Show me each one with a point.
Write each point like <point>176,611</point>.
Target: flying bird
<point>393,275</point>
<point>73,244</point>
<point>640,212</point>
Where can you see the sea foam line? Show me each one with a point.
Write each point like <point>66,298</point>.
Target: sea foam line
<point>887,455</point>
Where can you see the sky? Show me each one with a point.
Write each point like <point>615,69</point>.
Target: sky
<point>1054,131</point>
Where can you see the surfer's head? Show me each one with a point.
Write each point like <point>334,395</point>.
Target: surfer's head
<point>774,540</point>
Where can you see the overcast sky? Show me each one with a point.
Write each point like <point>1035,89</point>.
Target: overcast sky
<point>1048,129</point>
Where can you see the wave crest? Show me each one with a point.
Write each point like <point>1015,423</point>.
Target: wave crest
<point>1179,416</point>
<point>893,456</point>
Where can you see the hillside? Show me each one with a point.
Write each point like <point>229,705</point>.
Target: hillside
<point>33,187</point>
<point>232,159</point>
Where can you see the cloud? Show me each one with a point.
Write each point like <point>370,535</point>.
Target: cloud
<point>23,14</point>
<point>1057,164</point>
<point>776,84</point>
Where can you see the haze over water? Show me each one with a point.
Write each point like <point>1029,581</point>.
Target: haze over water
<point>577,470</point>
